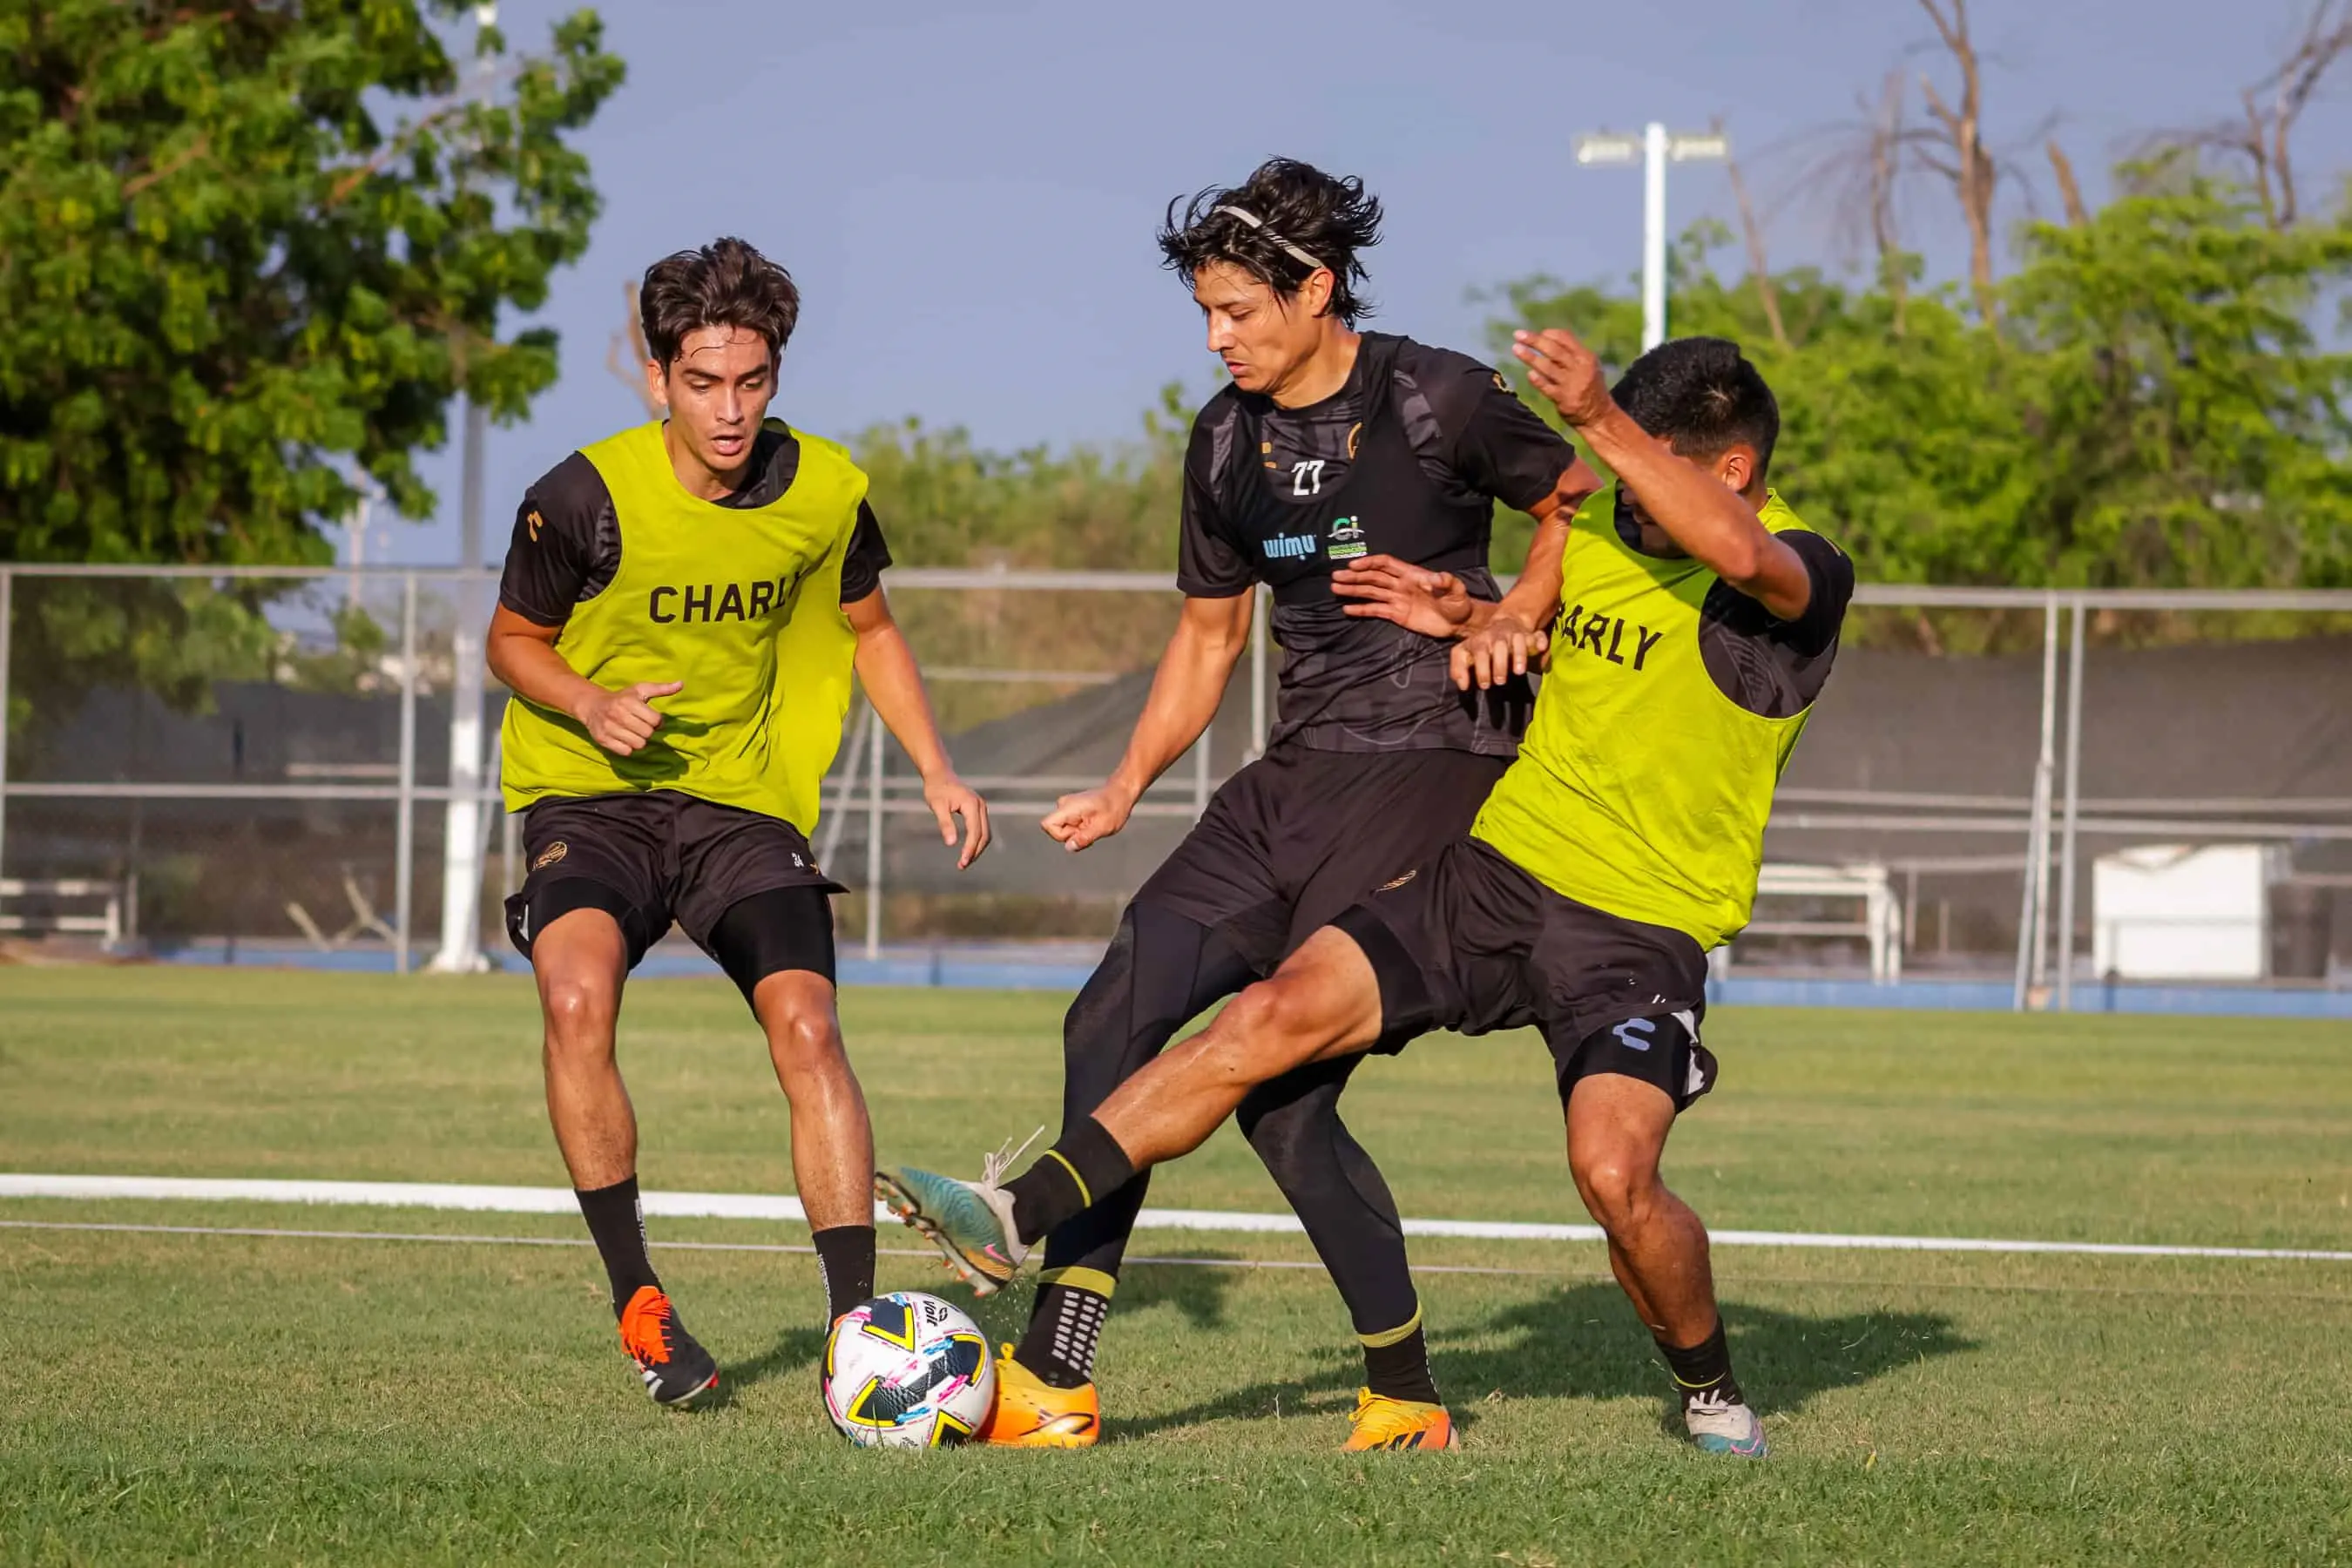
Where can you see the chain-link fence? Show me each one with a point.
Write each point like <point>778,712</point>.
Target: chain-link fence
<point>2029,790</point>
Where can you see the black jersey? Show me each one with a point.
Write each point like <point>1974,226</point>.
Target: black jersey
<point>1406,459</point>
<point>568,515</point>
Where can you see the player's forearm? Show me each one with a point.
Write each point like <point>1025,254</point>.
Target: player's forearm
<point>1536,595</point>
<point>1715,526</point>
<point>1185,692</point>
<point>533,670</point>
<point>887,669</point>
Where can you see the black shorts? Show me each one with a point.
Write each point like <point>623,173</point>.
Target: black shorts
<point>651,859</point>
<point>1299,836</point>
<point>1471,942</point>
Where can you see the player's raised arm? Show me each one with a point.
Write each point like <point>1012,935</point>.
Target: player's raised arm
<point>886,668</point>
<point>1711,518</point>
<point>1185,690</point>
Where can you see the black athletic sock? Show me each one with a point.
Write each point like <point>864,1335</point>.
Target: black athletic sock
<point>1087,1164</point>
<point>1063,1329</point>
<point>618,1226</point>
<point>1703,1371</point>
<point>845,1262</point>
<point>1398,1368</point>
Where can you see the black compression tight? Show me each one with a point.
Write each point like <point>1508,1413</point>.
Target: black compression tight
<point>1162,971</point>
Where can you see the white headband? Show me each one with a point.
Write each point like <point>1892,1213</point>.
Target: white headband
<point>1258,224</point>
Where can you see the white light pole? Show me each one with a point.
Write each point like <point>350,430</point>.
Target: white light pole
<point>1655,147</point>
<point>462,839</point>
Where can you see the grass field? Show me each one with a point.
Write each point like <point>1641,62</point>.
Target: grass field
<point>276,1399</point>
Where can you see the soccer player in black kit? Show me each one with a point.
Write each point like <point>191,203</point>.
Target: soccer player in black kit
<point>1331,457</point>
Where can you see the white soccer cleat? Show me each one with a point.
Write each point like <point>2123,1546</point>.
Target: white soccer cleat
<point>1720,1425</point>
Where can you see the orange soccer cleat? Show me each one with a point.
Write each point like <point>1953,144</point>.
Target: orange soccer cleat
<point>1031,1412</point>
<point>1381,1421</point>
<point>677,1368</point>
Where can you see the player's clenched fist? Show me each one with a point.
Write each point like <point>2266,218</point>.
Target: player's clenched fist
<point>1078,820</point>
<point>1564,370</point>
<point>622,722</point>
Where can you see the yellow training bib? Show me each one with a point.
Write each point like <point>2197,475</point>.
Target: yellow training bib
<point>742,605</point>
<point>1642,789</point>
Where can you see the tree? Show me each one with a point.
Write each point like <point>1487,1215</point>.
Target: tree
<point>229,282</point>
<point>247,254</point>
<point>2150,404</point>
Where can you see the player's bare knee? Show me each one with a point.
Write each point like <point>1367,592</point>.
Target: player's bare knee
<point>580,1006</point>
<point>806,1042</point>
<point>1617,1190</point>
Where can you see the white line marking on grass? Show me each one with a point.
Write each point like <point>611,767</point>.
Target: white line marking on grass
<point>748,1205</point>
<point>1315,1264</point>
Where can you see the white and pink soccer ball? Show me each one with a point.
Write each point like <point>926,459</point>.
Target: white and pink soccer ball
<point>908,1370</point>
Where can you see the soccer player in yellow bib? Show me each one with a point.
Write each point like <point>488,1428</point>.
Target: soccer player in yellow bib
<point>682,607</point>
<point>1697,621</point>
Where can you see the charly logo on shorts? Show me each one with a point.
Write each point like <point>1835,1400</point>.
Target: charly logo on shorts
<point>1391,886</point>
<point>550,855</point>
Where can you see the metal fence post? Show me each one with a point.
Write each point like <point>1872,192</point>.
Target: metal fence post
<point>874,818</point>
<point>2073,808</point>
<point>8,618</point>
<point>403,853</point>
<point>1258,640</point>
<point>2034,906</point>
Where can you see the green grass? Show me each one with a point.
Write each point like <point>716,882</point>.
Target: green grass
<point>240,1399</point>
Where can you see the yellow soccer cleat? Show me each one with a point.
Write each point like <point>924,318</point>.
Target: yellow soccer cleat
<point>1031,1412</point>
<point>1381,1421</point>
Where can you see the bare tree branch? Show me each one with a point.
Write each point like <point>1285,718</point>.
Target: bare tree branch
<point>1971,170</point>
<point>2270,109</point>
<point>2070,189</point>
<point>1759,265</point>
<point>630,369</point>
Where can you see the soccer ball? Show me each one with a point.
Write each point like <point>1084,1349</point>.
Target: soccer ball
<point>908,1370</point>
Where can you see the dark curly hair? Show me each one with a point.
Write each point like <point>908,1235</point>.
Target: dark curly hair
<point>726,283</point>
<point>1701,396</point>
<point>1302,213</point>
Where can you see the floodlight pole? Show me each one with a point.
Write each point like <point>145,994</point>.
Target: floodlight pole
<point>1653,236</point>
<point>1655,147</point>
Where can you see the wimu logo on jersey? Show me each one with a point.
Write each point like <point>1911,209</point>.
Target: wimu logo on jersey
<point>1346,543</point>
<point>709,602</point>
<point>1603,637</point>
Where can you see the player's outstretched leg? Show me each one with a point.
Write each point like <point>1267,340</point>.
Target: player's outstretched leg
<point>1324,1001</point>
<point>1344,1203</point>
<point>1161,971</point>
<point>580,960</point>
<point>1617,1128</point>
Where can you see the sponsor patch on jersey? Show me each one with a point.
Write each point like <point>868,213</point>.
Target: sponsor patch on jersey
<point>1347,540</point>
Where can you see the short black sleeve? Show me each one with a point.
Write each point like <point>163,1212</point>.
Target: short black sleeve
<point>1831,571</point>
<point>1492,439</point>
<point>1774,667</point>
<point>1209,563</point>
<point>868,557</point>
<point>566,545</point>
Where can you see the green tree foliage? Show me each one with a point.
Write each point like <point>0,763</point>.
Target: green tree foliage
<point>247,254</point>
<point>2157,407</point>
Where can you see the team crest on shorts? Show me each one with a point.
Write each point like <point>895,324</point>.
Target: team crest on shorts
<point>550,855</point>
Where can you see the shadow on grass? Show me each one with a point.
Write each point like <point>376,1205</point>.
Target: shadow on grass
<point>796,1349</point>
<point>1583,1342</point>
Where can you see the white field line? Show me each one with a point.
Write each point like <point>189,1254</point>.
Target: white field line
<point>748,1205</point>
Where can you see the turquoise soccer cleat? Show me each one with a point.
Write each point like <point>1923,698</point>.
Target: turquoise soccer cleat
<point>970,1222</point>
<point>1725,1427</point>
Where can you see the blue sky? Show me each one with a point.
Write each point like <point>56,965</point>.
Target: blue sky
<point>967,193</point>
